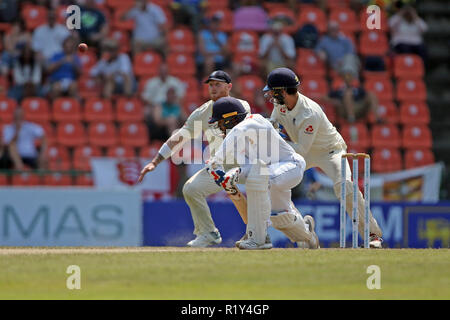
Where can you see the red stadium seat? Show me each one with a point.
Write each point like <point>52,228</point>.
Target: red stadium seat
<point>7,106</point>
<point>36,109</point>
<point>149,152</point>
<point>416,136</point>
<point>82,156</point>
<point>119,4</point>
<point>309,14</point>
<point>84,180</point>
<point>66,109</point>
<point>122,38</point>
<point>133,134</point>
<point>364,19</point>
<point>89,87</point>
<point>57,179</point>
<point>408,66</point>
<point>129,110</point>
<point>385,136</point>
<point>386,160</point>
<point>98,109</point>
<point>373,43</point>
<point>182,40</point>
<point>70,133</point>
<point>309,64</point>
<point>58,158</point>
<point>117,23</point>
<point>4,180</point>
<point>26,179</point>
<point>181,65</point>
<point>216,4</point>
<point>147,64</point>
<point>88,60</point>
<point>102,134</point>
<point>314,87</point>
<point>285,14</point>
<point>121,152</point>
<point>226,24</point>
<point>248,85</point>
<point>414,113</point>
<point>245,42</point>
<point>356,136</point>
<point>247,62</point>
<point>418,157</point>
<point>388,112</point>
<point>336,4</point>
<point>192,88</point>
<point>49,132</point>
<point>411,90</point>
<point>381,88</point>
<point>376,75</point>
<point>346,19</point>
<point>34,16</point>
<point>330,112</point>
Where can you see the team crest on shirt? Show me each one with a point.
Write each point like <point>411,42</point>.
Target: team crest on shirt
<point>283,110</point>
<point>309,130</point>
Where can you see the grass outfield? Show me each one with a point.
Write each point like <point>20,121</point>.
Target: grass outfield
<point>223,273</point>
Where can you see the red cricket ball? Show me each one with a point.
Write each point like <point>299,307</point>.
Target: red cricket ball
<point>82,47</point>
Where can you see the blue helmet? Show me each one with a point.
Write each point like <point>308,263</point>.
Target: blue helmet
<point>281,78</point>
<point>227,108</point>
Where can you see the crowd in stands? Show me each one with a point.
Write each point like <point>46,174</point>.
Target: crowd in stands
<point>147,61</point>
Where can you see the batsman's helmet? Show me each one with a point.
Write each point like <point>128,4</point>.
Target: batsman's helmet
<point>281,78</point>
<point>228,109</point>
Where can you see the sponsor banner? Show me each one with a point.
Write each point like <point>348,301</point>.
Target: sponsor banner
<point>170,223</point>
<point>418,184</point>
<point>70,217</point>
<point>116,173</point>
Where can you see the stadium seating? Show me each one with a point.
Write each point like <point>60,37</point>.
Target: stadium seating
<point>418,157</point>
<point>356,136</point>
<point>7,106</point>
<point>129,110</point>
<point>58,158</point>
<point>96,109</point>
<point>82,155</point>
<point>388,113</point>
<point>373,43</point>
<point>181,65</point>
<point>133,134</point>
<point>102,134</point>
<point>182,40</point>
<point>36,109</point>
<point>346,19</point>
<point>64,109</point>
<point>120,152</point>
<point>26,179</point>
<point>314,87</point>
<point>146,64</point>
<point>312,15</point>
<point>70,133</point>
<point>309,64</point>
<point>414,112</point>
<point>244,42</point>
<point>57,179</point>
<point>411,90</point>
<point>416,136</point>
<point>381,88</point>
<point>408,66</point>
<point>34,16</point>
<point>385,136</point>
<point>386,160</point>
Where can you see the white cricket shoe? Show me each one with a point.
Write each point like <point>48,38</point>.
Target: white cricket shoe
<point>205,240</point>
<point>314,242</point>
<point>375,241</point>
<point>245,237</point>
<point>251,244</point>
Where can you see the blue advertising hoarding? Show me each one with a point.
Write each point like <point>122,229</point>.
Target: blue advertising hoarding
<point>169,223</point>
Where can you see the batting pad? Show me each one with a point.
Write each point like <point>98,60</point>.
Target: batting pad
<point>258,202</point>
<point>291,223</point>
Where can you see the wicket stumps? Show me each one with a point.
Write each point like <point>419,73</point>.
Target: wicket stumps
<point>355,216</point>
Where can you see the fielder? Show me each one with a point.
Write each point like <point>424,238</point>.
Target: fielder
<point>200,185</point>
<point>314,137</point>
<point>268,166</point>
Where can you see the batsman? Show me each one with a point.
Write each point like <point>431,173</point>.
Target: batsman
<point>200,185</point>
<point>315,138</point>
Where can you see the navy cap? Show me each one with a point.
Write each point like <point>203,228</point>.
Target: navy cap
<point>226,107</point>
<point>281,78</point>
<point>219,75</point>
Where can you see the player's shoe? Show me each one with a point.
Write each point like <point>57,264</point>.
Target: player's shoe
<point>245,237</point>
<point>205,240</point>
<point>251,244</point>
<point>375,241</point>
<point>314,242</point>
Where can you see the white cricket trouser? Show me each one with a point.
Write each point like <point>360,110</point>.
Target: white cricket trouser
<point>330,163</point>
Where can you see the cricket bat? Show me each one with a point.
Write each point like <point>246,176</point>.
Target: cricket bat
<point>240,202</point>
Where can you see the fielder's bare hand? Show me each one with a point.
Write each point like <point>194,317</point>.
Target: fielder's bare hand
<point>148,168</point>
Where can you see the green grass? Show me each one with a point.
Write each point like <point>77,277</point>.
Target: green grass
<point>183,273</point>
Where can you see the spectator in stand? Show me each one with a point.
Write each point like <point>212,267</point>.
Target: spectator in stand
<point>94,27</point>
<point>48,38</point>
<point>156,88</point>
<point>337,50</point>
<point>213,47</point>
<point>351,101</point>
<point>114,70</point>
<point>150,28</point>
<point>168,116</point>
<point>64,68</point>
<point>13,41</point>
<point>27,75</point>
<point>277,49</point>
<point>250,16</point>
<point>19,139</point>
<point>407,30</point>
<point>189,12</point>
